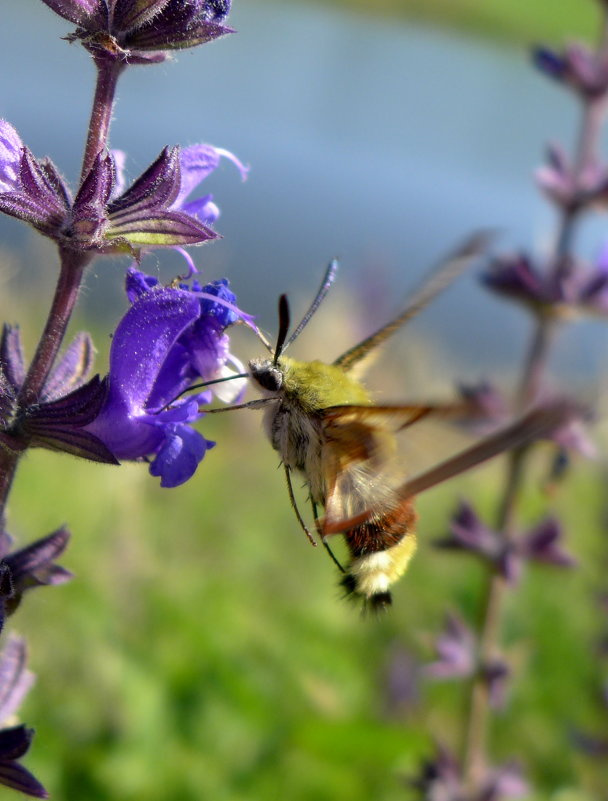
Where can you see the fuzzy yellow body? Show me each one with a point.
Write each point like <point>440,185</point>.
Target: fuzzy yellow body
<point>319,426</point>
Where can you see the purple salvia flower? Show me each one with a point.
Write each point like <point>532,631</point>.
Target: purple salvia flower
<point>15,681</point>
<point>456,651</point>
<point>6,592</point>
<point>10,156</point>
<point>495,675</point>
<point>15,743</point>
<point>441,779</point>
<point>34,565</point>
<point>543,544</point>
<point>572,290</point>
<point>15,678</point>
<point>137,33</point>
<point>67,404</point>
<point>468,533</point>
<point>30,189</point>
<point>506,781</point>
<point>584,71</point>
<point>401,680</point>
<point>153,212</point>
<point>169,339</point>
<point>487,407</point>
<point>540,544</point>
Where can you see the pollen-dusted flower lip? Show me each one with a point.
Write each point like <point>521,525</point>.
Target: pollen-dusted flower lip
<point>170,338</point>
<point>139,33</point>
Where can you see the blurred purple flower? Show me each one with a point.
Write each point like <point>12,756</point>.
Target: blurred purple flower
<point>34,565</point>
<point>543,544</point>
<point>487,408</point>
<point>169,339</point>
<point>441,779</point>
<point>468,533</point>
<point>15,681</point>
<point>496,675</point>
<point>137,33</point>
<point>401,680</point>
<point>569,187</point>
<point>67,404</point>
<point>578,67</point>
<point>505,781</point>
<point>152,212</point>
<point>572,290</point>
<point>540,544</point>
<point>456,651</point>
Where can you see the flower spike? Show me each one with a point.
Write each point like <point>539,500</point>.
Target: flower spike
<point>140,32</point>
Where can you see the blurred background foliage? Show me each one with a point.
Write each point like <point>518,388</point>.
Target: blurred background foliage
<point>203,650</point>
<point>508,20</point>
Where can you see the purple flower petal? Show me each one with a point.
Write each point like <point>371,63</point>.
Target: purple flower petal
<point>73,368</point>
<point>179,455</point>
<point>10,157</point>
<point>15,679</point>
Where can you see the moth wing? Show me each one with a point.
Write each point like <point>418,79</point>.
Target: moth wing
<point>367,474</point>
<point>364,458</point>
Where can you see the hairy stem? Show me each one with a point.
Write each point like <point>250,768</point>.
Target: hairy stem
<point>108,73</point>
<point>64,300</point>
<point>72,266</point>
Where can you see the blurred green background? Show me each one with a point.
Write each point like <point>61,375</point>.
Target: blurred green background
<point>203,650</point>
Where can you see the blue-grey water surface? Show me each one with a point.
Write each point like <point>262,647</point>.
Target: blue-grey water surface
<point>377,142</point>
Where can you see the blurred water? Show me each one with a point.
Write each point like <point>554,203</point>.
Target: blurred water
<point>380,143</point>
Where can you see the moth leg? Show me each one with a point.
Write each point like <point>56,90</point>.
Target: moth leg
<point>294,506</point>
<point>322,538</point>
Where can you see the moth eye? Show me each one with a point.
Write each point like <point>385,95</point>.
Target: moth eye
<point>270,378</point>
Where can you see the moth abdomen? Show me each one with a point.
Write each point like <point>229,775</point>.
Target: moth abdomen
<point>380,551</point>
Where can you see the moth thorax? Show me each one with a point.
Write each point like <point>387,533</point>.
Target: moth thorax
<point>267,374</point>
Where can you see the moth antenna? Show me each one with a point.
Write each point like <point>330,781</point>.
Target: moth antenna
<point>284,321</point>
<point>263,339</point>
<point>252,327</point>
<point>326,283</point>
<point>441,277</point>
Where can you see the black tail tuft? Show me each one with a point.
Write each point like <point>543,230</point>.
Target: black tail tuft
<point>374,604</point>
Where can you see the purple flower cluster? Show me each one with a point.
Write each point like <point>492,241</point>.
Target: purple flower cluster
<point>140,33</point>
<point>441,779</point>
<point>541,544</point>
<point>153,212</point>
<point>171,338</point>
<point>21,570</point>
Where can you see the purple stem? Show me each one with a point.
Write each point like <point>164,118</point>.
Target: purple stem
<point>108,73</point>
<point>475,760</point>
